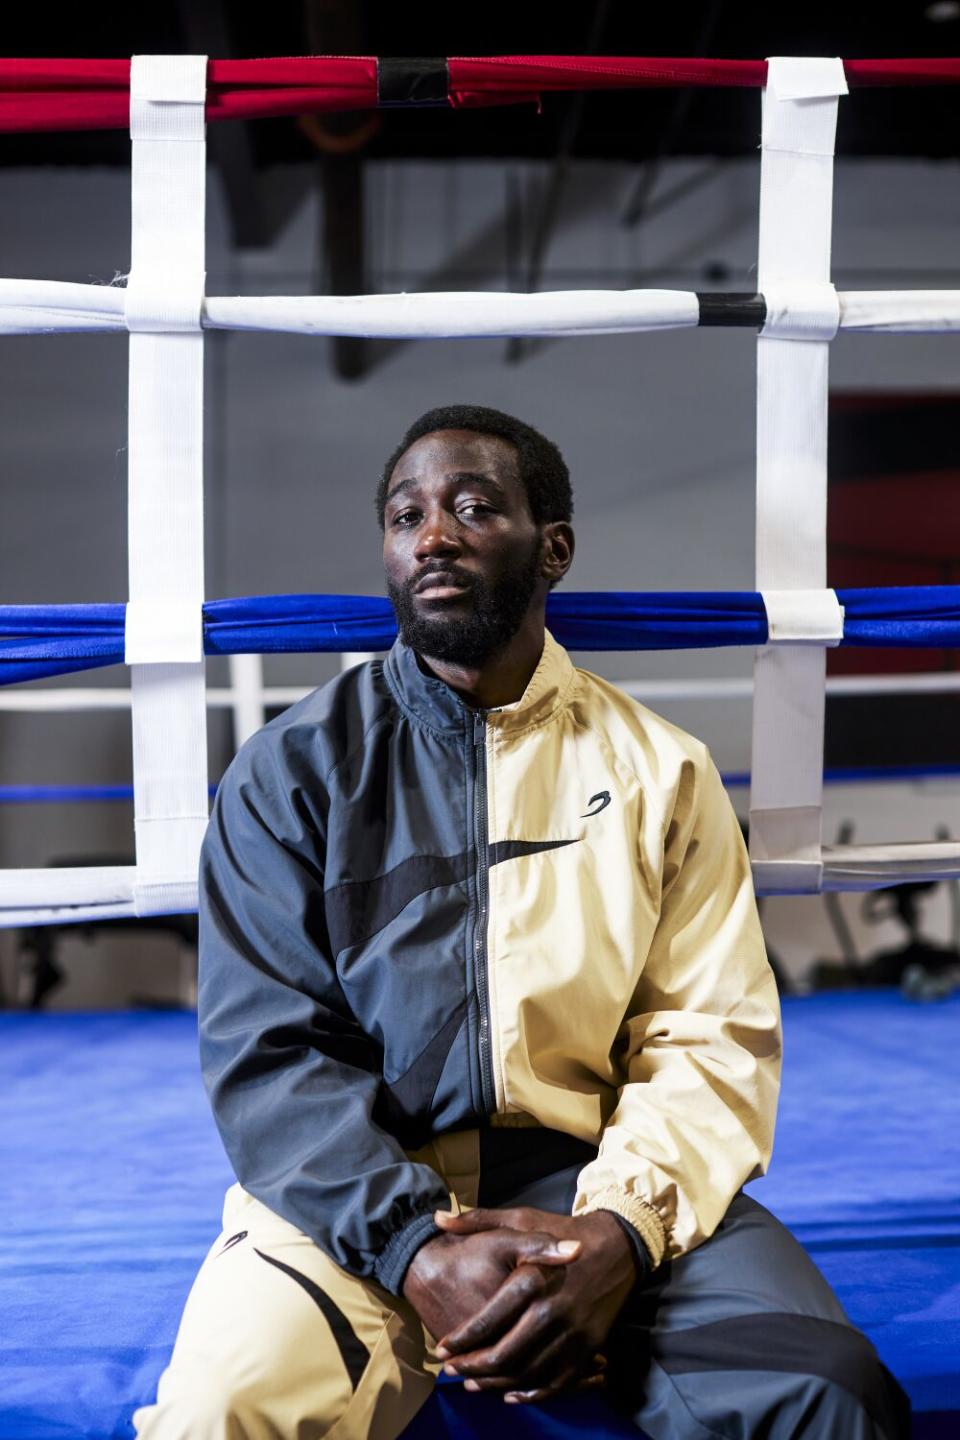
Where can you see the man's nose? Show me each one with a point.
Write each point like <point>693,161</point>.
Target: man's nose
<point>437,536</point>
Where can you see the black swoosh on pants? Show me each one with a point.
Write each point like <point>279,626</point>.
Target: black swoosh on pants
<point>352,1349</point>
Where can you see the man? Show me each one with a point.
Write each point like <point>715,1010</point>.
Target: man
<point>489,1031</point>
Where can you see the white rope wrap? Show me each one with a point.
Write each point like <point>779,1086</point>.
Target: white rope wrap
<point>801,310</point>
<point>796,202</point>
<point>164,622</point>
<point>803,617</point>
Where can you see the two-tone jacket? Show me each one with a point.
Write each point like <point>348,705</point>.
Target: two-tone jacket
<point>419,917</point>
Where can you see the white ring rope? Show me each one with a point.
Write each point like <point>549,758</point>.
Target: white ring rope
<point>29,897</point>
<point>65,699</point>
<point>57,307</point>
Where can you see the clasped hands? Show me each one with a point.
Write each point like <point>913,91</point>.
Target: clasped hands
<point>521,1300</point>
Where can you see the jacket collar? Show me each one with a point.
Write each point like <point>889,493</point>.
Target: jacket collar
<point>434,703</point>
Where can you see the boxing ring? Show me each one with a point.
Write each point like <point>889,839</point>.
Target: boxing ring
<point>62,1299</point>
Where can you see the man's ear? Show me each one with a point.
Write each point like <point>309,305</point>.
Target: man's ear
<point>558,548</point>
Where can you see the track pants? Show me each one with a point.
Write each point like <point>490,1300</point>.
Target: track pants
<point>740,1339</point>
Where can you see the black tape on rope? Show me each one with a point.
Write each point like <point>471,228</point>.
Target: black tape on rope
<point>413,80</point>
<point>733,308</point>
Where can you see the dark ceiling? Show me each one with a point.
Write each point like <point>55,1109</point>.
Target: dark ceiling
<point>626,126</point>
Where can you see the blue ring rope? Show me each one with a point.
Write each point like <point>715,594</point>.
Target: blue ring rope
<point>38,641</point>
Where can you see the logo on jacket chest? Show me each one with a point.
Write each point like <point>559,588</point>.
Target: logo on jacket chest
<point>502,850</point>
<point>600,801</point>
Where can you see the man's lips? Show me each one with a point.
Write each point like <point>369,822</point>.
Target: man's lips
<point>441,585</point>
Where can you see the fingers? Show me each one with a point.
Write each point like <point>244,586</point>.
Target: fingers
<point>537,1247</point>
<point>471,1222</point>
<point>468,1222</point>
<point>501,1311</point>
<point>567,1381</point>
<point>540,1337</point>
<point>572,1378</point>
<point>538,1369</point>
<point>531,1256</point>
<point>538,1244</point>
<point>557,1367</point>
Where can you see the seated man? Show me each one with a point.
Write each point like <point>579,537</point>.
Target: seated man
<point>489,1031</point>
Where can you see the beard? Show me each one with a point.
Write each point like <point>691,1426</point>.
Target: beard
<point>499,609</point>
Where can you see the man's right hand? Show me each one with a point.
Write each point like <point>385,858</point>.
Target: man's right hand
<point>453,1276</point>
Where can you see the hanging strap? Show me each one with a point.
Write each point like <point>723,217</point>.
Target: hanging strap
<point>164,623</point>
<point>803,314</point>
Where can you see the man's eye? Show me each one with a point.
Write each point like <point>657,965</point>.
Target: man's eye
<point>404,517</point>
<point>478,507</point>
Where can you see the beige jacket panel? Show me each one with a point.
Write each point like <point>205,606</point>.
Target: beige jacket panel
<point>631,1000</point>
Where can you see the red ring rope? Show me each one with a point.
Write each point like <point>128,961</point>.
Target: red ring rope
<point>94,94</point>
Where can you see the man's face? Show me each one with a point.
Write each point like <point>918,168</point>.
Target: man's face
<point>461,552</point>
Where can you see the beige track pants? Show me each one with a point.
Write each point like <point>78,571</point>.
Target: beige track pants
<point>277,1342</point>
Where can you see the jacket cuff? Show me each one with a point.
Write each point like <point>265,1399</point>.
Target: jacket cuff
<point>640,1252</point>
<point>640,1214</point>
<point>390,1266</point>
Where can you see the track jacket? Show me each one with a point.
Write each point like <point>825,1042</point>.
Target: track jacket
<point>417,917</point>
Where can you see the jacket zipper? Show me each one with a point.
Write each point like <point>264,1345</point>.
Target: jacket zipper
<point>487,1088</point>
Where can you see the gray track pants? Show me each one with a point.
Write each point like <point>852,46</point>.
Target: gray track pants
<point>743,1338</point>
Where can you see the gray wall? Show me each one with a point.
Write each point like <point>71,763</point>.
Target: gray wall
<point>658,429</point>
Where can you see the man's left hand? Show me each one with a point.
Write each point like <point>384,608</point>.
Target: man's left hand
<point>533,1349</point>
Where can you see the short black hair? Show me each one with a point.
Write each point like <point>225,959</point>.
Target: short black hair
<point>541,467</point>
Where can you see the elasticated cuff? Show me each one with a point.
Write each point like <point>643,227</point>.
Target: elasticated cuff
<point>390,1267</point>
<point>640,1213</point>
<point>640,1251</point>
